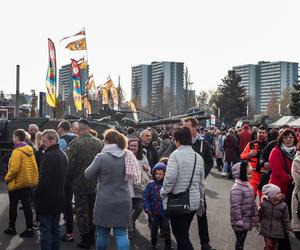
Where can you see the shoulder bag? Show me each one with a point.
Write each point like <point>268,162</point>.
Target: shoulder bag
<point>180,203</point>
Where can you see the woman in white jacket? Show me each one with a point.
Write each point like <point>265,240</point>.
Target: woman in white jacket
<point>177,179</point>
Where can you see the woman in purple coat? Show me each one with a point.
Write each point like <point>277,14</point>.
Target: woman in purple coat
<point>243,209</point>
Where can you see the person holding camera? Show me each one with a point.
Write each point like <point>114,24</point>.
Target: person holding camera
<point>296,194</point>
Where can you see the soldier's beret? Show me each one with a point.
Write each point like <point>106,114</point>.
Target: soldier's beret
<point>84,121</point>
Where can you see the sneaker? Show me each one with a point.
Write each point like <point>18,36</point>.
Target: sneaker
<point>67,238</point>
<point>35,225</point>
<point>10,231</point>
<point>28,233</point>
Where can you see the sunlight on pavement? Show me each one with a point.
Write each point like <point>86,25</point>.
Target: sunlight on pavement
<point>14,242</point>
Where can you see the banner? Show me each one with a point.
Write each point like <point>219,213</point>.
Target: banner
<point>115,97</point>
<point>133,109</point>
<point>108,85</point>
<point>76,84</point>
<point>51,76</point>
<point>104,97</point>
<point>82,32</point>
<point>77,45</point>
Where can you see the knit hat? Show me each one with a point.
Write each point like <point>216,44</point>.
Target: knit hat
<point>246,126</point>
<point>270,190</point>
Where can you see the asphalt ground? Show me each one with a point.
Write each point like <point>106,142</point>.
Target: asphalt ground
<point>221,234</point>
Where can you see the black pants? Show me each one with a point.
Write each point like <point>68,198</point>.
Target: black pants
<point>68,212</point>
<point>180,227</point>
<point>219,163</point>
<point>155,223</point>
<point>240,239</point>
<point>284,244</point>
<point>203,227</point>
<point>15,196</point>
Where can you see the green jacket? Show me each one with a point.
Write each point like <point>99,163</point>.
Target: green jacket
<point>81,153</point>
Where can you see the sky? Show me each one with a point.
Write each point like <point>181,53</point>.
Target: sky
<point>208,36</point>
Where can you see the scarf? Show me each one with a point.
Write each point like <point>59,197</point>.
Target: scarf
<point>290,152</point>
<point>196,138</point>
<point>132,168</point>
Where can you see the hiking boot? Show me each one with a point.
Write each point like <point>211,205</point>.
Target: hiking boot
<point>28,233</point>
<point>10,231</point>
<point>67,238</point>
<point>84,244</point>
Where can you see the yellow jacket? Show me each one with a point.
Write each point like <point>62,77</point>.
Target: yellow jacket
<point>22,169</point>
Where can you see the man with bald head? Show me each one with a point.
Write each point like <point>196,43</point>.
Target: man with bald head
<point>148,150</point>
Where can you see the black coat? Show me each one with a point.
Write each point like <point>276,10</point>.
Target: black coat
<point>205,153</point>
<point>50,195</point>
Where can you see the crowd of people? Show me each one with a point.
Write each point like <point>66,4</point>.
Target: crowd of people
<point>109,179</point>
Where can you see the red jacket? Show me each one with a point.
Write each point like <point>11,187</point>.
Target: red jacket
<point>279,176</point>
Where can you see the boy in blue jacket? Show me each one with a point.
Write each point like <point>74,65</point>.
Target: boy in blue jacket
<point>153,206</point>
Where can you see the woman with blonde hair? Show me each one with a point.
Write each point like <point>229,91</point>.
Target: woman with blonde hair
<point>115,167</point>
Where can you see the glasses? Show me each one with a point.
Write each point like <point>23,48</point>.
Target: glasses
<point>288,137</point>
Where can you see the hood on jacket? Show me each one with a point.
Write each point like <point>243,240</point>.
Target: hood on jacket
<point>158,166</point>
<point>236,169</point>
<point>26,150</point>
<point>114,150</point>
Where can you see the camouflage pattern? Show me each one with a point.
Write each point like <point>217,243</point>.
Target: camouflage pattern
<point>81,154</point>
<point>84,205</point>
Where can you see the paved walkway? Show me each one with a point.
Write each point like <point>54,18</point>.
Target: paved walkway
<point>221,233</point>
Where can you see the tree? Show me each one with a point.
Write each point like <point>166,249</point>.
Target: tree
<point>295,100</point>
<point>285,101</point>
<point>231,99</point>
<point>272,107</point>
<point>121,94</point>
<point>187,85</point>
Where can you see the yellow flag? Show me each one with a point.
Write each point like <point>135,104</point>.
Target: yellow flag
<point>77,45</point>
<point>104,96</point>
<point>108,85</point>
<point>83,65</point>
<point>133,109</point>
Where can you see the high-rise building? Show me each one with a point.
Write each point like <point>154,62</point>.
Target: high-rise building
<point>141,85</point>
<point>167,87</point>
<point>158,87</point>
<point>65,86</point>
<point>274,78</point>
<point>266,80</point>
<point>250,79</point>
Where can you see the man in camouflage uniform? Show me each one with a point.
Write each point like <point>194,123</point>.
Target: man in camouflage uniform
<point>81,153</point>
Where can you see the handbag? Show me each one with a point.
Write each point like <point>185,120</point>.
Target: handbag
<point>180,203</point>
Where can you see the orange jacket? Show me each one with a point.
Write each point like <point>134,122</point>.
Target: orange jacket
<point>256,146</point>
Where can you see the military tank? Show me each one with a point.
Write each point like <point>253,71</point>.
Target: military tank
<point>116,120</point>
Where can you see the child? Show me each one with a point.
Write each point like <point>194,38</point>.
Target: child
<point>243,209</point>
<point>273,215</point>
<point>153,206</point>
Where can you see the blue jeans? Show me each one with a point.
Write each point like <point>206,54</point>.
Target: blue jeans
<point>120,234</point>
<point>50,232</point>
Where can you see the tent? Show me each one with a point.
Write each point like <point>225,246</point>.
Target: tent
<point>282,121</point>
<point>295,123</point>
